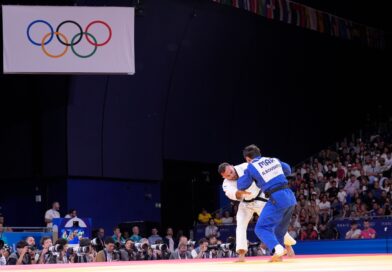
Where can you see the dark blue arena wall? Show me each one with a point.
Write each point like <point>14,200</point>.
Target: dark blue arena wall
<point>209,80</point>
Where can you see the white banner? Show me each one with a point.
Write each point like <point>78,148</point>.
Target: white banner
<point>45,39</point>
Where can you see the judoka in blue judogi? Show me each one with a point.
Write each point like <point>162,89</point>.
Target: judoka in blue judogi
<point>270,176</point>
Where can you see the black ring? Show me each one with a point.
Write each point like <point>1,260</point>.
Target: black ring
<point>72,22</point>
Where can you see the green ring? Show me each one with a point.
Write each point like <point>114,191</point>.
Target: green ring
<point>76,53</point>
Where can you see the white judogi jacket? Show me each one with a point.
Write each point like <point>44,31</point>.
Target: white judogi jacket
<point>230,186</point>
<point>246,209</point>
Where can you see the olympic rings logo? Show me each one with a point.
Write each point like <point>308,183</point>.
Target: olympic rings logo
<point>48,37</point>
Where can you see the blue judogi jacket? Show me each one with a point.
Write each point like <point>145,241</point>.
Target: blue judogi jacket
<point>269,173</point>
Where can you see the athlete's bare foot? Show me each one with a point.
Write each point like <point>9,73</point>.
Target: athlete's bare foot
<point>276,259</point>
<point>290,251</point>
<point>241,256</point>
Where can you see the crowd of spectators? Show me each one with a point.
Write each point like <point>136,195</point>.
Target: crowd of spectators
<point>350,181</point>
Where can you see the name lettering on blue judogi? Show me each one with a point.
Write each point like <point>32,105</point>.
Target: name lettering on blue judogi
<point>266,162</point>
<point>268,168</point>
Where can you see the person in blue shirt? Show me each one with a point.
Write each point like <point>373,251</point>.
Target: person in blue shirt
<point>270,176</point>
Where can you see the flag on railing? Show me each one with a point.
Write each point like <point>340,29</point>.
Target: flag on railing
<point>303,16</point>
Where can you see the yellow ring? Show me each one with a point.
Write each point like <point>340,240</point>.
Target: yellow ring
<point>46,52</point>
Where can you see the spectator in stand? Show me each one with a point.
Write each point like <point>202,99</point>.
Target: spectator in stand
<point>294,222</point>
<point>293,233</point>
<point>356,170</point>
<point>212,229</point>
<point>117,236</point>
<point>330,173</point>
<point>204,216</point>
<point>329,184</point>
<point>135,234</point>
<point>332,191</point>
<point>218,219</point>
<point>384,168</point>
<point>342,195</point>
<point>227,219</point>
<point>346,212</point>
<point>372,171</point>
<point>325,209</point>
<point>52,213</point>
<point>303,217</point>
<point>341,172</point>
<point>352,185</point>
<point>336,207</point>
<point>327,233</point>
<point>380,212</point>
<point>321,185</point>
<point>313,212</point>
<point>309,233</point>
<point>154,236</point>
<point>367,232</point>
<point>385,184</point>
<point>369,199</point>
<point>376,189</point>
<point>72,214</point>
<point>354,232</point>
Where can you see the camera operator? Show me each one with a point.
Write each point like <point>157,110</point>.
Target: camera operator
<point>85,252</point>
<point>21,255</point>
<point>61,247</point>
<point>202,250</point>
<point>145,252</point>
<point>214,247</point>
<point>5,252</point>
<point>33,252</point>
<point>182,252</point>
<point>128,253</point>
<point>228,249</point>
<point>108,254</point>
<point>98,242</point>
<point>3,260</point>
<point>57,252</point>
<point>46,243</point>
<point>262,250</point>
<point>161,250</point>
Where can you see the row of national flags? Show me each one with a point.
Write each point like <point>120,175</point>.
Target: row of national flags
<point>303,16</point>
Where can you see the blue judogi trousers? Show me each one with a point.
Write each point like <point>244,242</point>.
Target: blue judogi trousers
<point>275,218</point>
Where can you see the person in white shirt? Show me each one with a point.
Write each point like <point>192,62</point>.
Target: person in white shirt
<point>251,201</point>
<point>342,195</point>
<point>354,232</point>
<point>227,219</point>
<point>72,214</point>
<point>324,208</point>
<point>52,213</point>
<point>388,159</point>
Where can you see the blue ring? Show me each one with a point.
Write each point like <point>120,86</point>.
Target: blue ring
<point>44,22</point>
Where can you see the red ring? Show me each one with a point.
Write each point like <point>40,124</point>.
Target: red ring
<point>98,22</point>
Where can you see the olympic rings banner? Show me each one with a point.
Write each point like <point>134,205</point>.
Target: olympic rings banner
<point>68,39</point>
